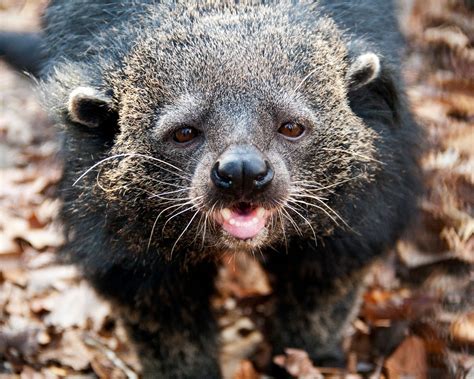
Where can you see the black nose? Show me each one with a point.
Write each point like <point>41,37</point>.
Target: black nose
<point>242,170</point>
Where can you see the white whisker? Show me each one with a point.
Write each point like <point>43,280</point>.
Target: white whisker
<point>324,210</point>
<point>310,183</point>
<point>370,159</point>
<point>133,155</point>
<point>290,219</point>
<point>305,220</point>
<point>160,195</point>
<point>177,214</point>
<point>184,231</point>
<point>98,164</point>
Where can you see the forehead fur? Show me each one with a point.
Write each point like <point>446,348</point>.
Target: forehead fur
<point>227,50</point>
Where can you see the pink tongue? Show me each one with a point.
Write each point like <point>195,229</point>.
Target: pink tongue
<point>246,229</point>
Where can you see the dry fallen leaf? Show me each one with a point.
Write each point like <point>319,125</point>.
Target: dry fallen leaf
<point>246,371</point>
<point>78,307</point>
<point>462,329</point>
<point>24,342</point>
<point>408,360</point>
<point>297,363</point>
<point>69,351</point>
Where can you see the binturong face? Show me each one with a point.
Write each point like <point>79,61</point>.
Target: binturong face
<point>235,130</point>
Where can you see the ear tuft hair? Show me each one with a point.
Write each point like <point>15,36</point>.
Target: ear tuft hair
<point>89,107</point>
<point>363,70</point>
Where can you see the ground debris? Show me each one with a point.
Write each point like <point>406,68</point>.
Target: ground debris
<point>297,363</point>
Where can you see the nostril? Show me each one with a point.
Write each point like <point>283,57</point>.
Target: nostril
<point>216,168</point>
<point>263,174</point>
<point>223,171</point>
<point>219,177</point>
<point>263,179</point>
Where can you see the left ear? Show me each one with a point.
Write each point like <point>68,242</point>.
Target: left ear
<point>363,70</point>
<point>89,107</point>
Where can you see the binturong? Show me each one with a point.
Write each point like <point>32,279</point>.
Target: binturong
<point>196,129</point>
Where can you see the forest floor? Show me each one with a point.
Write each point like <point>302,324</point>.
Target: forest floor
<point>417,317</point>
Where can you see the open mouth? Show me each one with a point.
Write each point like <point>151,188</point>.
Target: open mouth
<point>244,220</point>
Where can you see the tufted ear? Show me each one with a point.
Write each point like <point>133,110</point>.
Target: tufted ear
<point>90,108</point>
<point>364,69</point>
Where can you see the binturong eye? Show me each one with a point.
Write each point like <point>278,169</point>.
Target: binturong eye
<point>291,130</point>
<point>185,134</point>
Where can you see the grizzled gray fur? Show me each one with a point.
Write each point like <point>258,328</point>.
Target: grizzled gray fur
<point>202,128</point>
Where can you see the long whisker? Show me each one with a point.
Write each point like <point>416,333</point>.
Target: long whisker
<point>305,220</point>
<point>156,160</point>
<point>353,154</point>
<point>132,155</point>
<point>99,184</point>
<point>206,222</point>
<point>206,216</point>
<point>290,219</point>
<point>303,193</point>
<point>179,213</point>
<point>283,230</point>
<point>163,182</point>
<point>298,196</point>
<point>166,169</point>
<point>198,228</point>
<point>309,183</point>
<point>315,206</point>
<point>179,206</point>
<point>322,209</point>
<point>308,195</point>
<point>152,195</point>
<point>98,164</point>
<point>160,195</point>
<point>151,233</point>
<point>184,231</point>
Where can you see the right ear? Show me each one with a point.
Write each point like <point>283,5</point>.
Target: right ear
<point>363,70</point>
<point>89,107</point>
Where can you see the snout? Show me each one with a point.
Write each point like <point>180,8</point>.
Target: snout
<point>240,174</point>
<point>242,171</point>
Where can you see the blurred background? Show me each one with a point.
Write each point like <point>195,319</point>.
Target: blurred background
<point>417,318</point>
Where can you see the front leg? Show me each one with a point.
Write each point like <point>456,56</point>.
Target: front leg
<point>317,292</point>
<point>180,346</point>
<point>168,316</point>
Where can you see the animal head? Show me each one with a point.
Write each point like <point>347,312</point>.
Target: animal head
<point>234,127</point>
